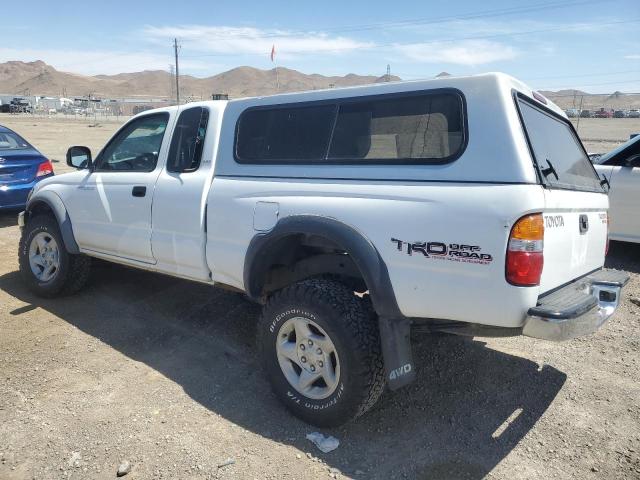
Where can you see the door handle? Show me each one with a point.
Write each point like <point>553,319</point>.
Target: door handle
<point>139,191</point>
<point>584,223</point>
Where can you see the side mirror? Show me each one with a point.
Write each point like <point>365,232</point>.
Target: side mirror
<point>632,161</point>
<point>79,157</point>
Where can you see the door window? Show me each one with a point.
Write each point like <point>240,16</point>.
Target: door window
<point>188,139</point>
<point>135,148</point>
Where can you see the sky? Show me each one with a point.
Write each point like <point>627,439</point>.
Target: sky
<point>550,44</point>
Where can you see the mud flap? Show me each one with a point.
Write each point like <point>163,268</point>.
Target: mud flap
<point>396,349</point>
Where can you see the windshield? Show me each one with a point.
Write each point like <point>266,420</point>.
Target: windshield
<point>602,159</point>
<point>558,151</point>
<point>12,141</point>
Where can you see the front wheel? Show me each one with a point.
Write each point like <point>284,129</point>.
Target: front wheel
<point>46,266</point>
<point>321,350</point>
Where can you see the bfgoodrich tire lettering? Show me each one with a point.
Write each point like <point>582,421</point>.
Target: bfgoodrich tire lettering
<point>345,320</point>
<point>72,271</point>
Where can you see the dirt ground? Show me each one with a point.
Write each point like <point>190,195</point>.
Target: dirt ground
<point>600,135</point>
<point>163,373</point>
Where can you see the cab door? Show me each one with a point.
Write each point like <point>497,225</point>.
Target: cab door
<point>180,202</point>
<point>623,195</point>
<point>111,208</point>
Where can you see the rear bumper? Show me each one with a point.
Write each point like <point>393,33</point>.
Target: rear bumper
<point>577,309</point>
<point>14,195</point>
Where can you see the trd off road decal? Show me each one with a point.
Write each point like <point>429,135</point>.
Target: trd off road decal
<point>455,252</point>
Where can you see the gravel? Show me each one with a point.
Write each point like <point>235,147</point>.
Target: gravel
<point>163,372</point>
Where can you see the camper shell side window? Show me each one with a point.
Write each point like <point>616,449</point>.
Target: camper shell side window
<point>424,127</point>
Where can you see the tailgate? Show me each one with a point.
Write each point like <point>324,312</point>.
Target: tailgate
<point>575,236</point>
<point>575,213</point>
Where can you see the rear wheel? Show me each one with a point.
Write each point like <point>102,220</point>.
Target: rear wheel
<point>321,351</point>
<point>46,266</point>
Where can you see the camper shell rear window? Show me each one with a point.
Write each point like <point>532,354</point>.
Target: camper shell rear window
<point>401,128</point>
<point>556,149</point>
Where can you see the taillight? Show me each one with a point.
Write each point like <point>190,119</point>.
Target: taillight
<point>45,168</point>
<point>524,252</point>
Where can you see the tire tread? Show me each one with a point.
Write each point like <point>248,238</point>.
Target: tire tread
<point>358,320</point>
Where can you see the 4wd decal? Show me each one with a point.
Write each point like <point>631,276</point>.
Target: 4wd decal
<point>456,252</point>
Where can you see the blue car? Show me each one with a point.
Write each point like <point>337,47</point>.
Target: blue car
<point>21,167</point>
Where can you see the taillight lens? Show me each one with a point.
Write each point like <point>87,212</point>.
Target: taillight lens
<point>45,168</point>
<point>525,251</point>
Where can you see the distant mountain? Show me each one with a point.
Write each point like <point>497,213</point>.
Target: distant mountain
<point>38,78</point>
<point>579,99</point>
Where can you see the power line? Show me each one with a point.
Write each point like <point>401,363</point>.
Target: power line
<point>428,21</point>
<point>372,46</point>
<point>468,16</point>
<point>361,27</point>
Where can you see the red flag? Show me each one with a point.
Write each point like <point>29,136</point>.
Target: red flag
<point>273,52</point>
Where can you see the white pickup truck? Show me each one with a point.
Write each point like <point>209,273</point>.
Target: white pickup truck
<point>463,205</point>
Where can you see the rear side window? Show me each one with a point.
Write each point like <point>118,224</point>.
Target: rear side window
<point>284,134</point>
<point>12,141</point>
<point>556,147</point>
<point>410,128</point>
<point>188,138</point>
<point>416,127</point>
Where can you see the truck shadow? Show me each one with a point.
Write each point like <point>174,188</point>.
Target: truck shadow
<point>624,256</point>
<point>9,218</point>
<point>469,407</point>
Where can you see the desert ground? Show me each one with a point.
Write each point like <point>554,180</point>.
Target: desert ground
<point>163,373</point>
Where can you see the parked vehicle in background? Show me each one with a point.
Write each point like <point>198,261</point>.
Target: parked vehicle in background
<point>586,114</point>
<point>21,168</point>
<point>464,205</point>
<point>603,113</point>
<point>620,114</point>
<point>572,112</point>
<point>20,105</point>
<point>621,167</point>
<point>634,113</point>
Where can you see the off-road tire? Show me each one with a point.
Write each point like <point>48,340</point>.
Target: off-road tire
<point>73,271</point>
<point>349,324</point>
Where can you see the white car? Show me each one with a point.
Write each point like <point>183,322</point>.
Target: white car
<point>621,168</point>
<point>466,205</point>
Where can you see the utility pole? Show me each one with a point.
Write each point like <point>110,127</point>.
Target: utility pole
<point>171,82</point>
<point>388,77</point>
<point>175,48</point>
<point>579,113</point>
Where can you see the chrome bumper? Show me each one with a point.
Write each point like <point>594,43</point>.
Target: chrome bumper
<point>577,309</point>
<point>21,219</point>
